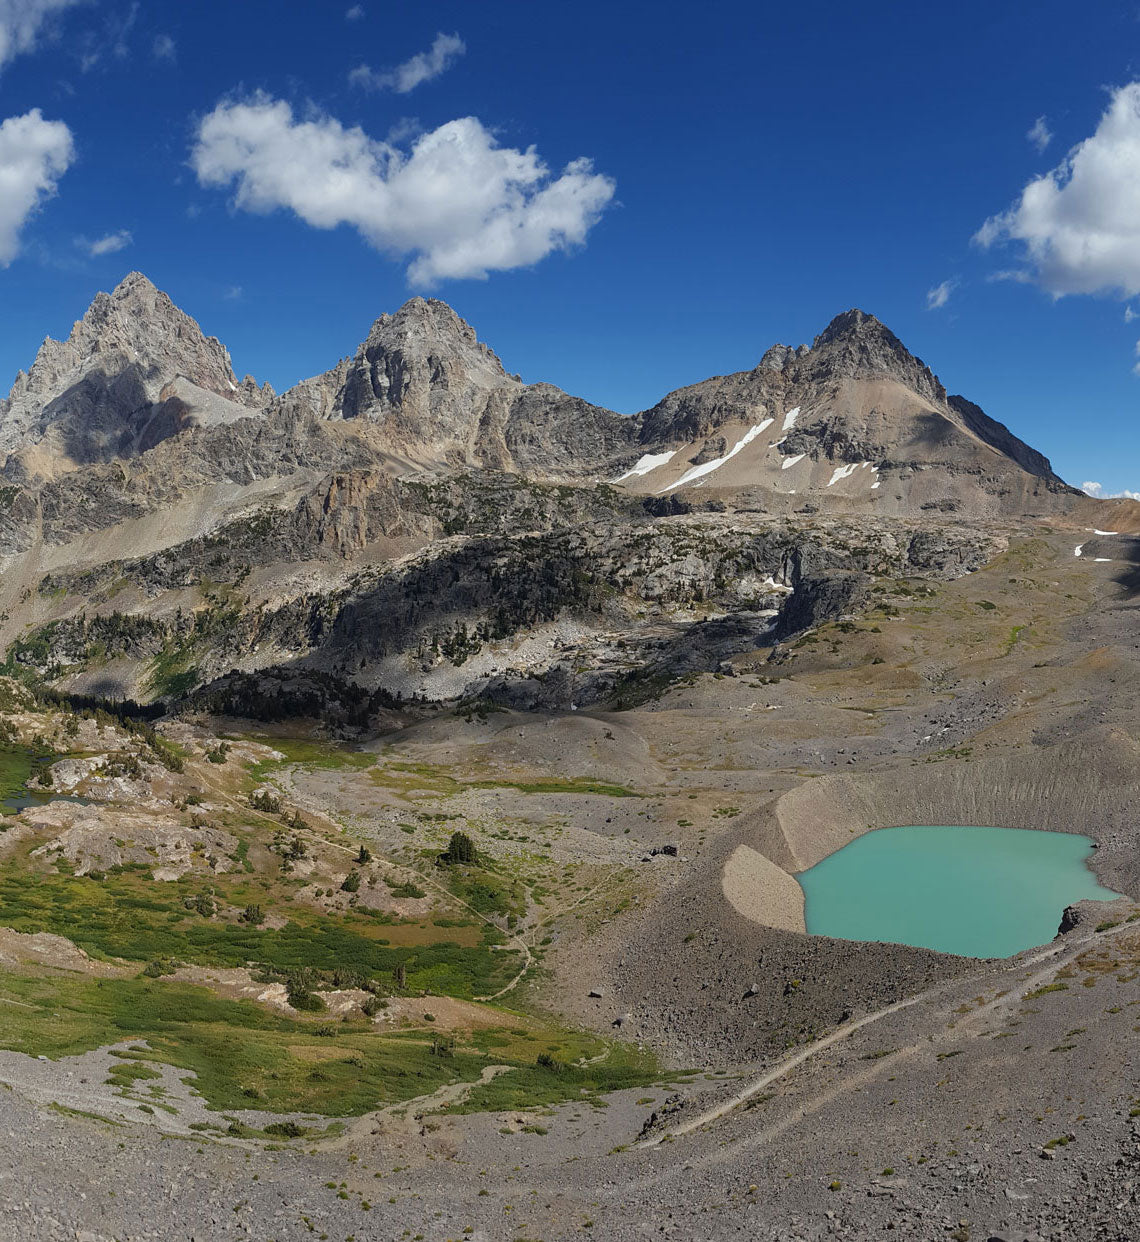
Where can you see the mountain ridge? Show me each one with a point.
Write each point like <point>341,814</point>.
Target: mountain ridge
<point>424,393</point>
<point>418,520</point>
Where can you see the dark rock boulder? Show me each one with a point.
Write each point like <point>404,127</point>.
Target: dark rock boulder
<point>822,597</point>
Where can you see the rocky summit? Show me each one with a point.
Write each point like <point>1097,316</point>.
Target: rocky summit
<point>405,779</point>
<point>417,480</point>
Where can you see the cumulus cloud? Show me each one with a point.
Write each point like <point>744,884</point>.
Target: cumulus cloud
<point>1080,223</point>
<point>354,14</point>
<point>1040,134</point>
<point>163,47</point>
<point>423,67</point>
<point>34,154</point>
<point>1097,490</point>
<point>937,297</point>
<point>22,21</point>
<point>458,203</point>
<point>111,243</point>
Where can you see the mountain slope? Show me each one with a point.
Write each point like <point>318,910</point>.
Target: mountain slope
<point>416,519</point>
<point>134,371</point>
<point>426,390</point>
<point>856,421</point>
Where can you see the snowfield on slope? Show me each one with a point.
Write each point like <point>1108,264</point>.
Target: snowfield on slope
<point>645,464</point>
<point>709,466</point>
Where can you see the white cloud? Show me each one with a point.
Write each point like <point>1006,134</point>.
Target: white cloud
<point>34,154</point>
<point>234,293</point>
<point>1129,314</point>
<point>21,22</point>
<point>111,243</point>
<point>1040,134</point>
<point>164,47</point>
<point>937,297</point>
<point>423,67</point>
<point>1080,223</point>
<point>355,13</point>
<point>1097,490</point>
<point>457,202</point>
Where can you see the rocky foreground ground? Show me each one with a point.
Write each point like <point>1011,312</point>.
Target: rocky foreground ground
<point>990,1109</point>
<point>889,1092</point>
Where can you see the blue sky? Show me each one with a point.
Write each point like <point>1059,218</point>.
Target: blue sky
<point>718,178</point>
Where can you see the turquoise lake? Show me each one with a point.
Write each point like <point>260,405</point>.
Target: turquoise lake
<point>979,892</point>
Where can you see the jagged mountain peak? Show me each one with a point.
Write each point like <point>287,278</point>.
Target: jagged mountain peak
<point>856,419</point>
<point>134,369</point>
<point>134,284</point>
<point>423,373</point>
<point>138,318</point>
<point>853,323</point>
<point>432,311</point>
<point>857,345</point>
<point>430,327</point>
<point>137,298</point>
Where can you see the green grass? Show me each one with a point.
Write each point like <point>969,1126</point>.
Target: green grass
<point>126,915</point>
<point>126,1074</point>
<point>1014,635</point>
<point>244,1056</point>
<point>407,777</point>
<point>569,785</point>
<point>309,754</point>
<point>172,672</point>
<point>534,1086</point>
<point>15,769</point>
<point>1044,991</point>
<point>485,891</point>
<point>435,779</point>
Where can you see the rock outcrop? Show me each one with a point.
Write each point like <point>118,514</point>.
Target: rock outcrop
<point>423,388</point>
<point>134,371</point>
<point>418,521</point>
<point>853,422</point>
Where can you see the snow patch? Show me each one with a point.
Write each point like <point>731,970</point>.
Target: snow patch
<point>1077,549</point>
<point>1106,532</point>
<point>709,466</point>
<point>791,461</point>
<point>1102,559</point>
<point>790,419</point>
<point>647,463</point>
<point>845,472</point>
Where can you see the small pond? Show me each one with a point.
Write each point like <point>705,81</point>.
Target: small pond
<point>16,766</point>
<point>978,892</point>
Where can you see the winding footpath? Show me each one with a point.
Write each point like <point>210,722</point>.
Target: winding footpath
<point>1058,956</point>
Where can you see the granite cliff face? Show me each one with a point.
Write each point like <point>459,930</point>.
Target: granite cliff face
<point>426,389</point>
<point>134,371</point>
<point>418,520</point>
